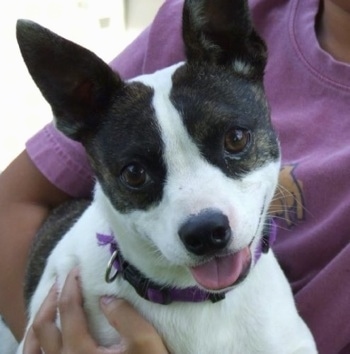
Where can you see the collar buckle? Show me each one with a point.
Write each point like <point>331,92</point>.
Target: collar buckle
<point>216,297</point>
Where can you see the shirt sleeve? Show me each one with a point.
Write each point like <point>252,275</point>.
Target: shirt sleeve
<point>62,161</point>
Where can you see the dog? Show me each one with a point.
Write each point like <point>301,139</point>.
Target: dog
<point>186,163</point>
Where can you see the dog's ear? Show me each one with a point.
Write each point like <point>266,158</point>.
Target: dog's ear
<point>77,84</point>
<point>221,32</point>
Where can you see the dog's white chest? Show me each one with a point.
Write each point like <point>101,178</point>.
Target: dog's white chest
<point>258,316</point>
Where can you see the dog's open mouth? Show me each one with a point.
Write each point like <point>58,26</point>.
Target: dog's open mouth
<point>222,272</point>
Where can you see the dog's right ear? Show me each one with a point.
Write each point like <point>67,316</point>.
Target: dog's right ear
<point>78,85</point>
<point>220,32</point>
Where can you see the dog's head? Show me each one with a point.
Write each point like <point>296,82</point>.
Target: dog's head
<point>186,158</point>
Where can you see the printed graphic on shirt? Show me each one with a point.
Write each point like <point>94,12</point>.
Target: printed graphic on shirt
<point>288,203</point>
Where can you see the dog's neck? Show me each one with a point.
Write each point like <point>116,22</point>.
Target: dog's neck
<point>161,294</point>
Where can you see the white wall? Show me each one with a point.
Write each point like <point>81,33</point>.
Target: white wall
<point>104,26</point>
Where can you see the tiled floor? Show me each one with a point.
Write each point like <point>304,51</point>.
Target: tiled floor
<point>23,110</point>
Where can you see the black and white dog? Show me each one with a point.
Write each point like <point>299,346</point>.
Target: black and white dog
<point>187,163</point>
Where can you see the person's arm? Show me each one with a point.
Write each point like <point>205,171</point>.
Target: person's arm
<point>26,198</point>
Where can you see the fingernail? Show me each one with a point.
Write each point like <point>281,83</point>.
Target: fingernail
<point>76,273</point>
<point>54,288</point>
<point>106,300</point>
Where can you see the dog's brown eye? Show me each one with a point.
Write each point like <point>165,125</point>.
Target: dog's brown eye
<point>134,175</point>
<point>236,140</point>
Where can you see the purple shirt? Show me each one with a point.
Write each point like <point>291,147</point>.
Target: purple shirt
<point>309,94</point>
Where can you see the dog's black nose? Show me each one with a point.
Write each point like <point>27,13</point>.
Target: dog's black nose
<point>206,232</point>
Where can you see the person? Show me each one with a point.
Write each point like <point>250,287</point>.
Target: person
<point>307,82</point>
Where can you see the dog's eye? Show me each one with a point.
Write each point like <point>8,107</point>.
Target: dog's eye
<point>134,175</point>
<point>236,140</point>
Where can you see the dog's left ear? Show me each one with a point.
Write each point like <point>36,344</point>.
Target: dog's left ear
<point>77,84</point>
<point>221,32</point>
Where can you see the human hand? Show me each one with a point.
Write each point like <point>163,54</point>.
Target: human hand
<point>138,336</point>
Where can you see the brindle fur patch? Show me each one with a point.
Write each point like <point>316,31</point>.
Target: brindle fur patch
<point>213,99</point>
<point>129,134</point>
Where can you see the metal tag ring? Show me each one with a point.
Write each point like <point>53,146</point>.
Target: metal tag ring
<point>108,277</point>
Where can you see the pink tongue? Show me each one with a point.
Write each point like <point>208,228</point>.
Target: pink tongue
<point>221,272</point>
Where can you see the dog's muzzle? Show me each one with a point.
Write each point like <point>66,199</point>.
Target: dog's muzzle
<point>163,294</point>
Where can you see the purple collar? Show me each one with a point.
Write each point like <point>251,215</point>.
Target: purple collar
<point>164,295</point>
